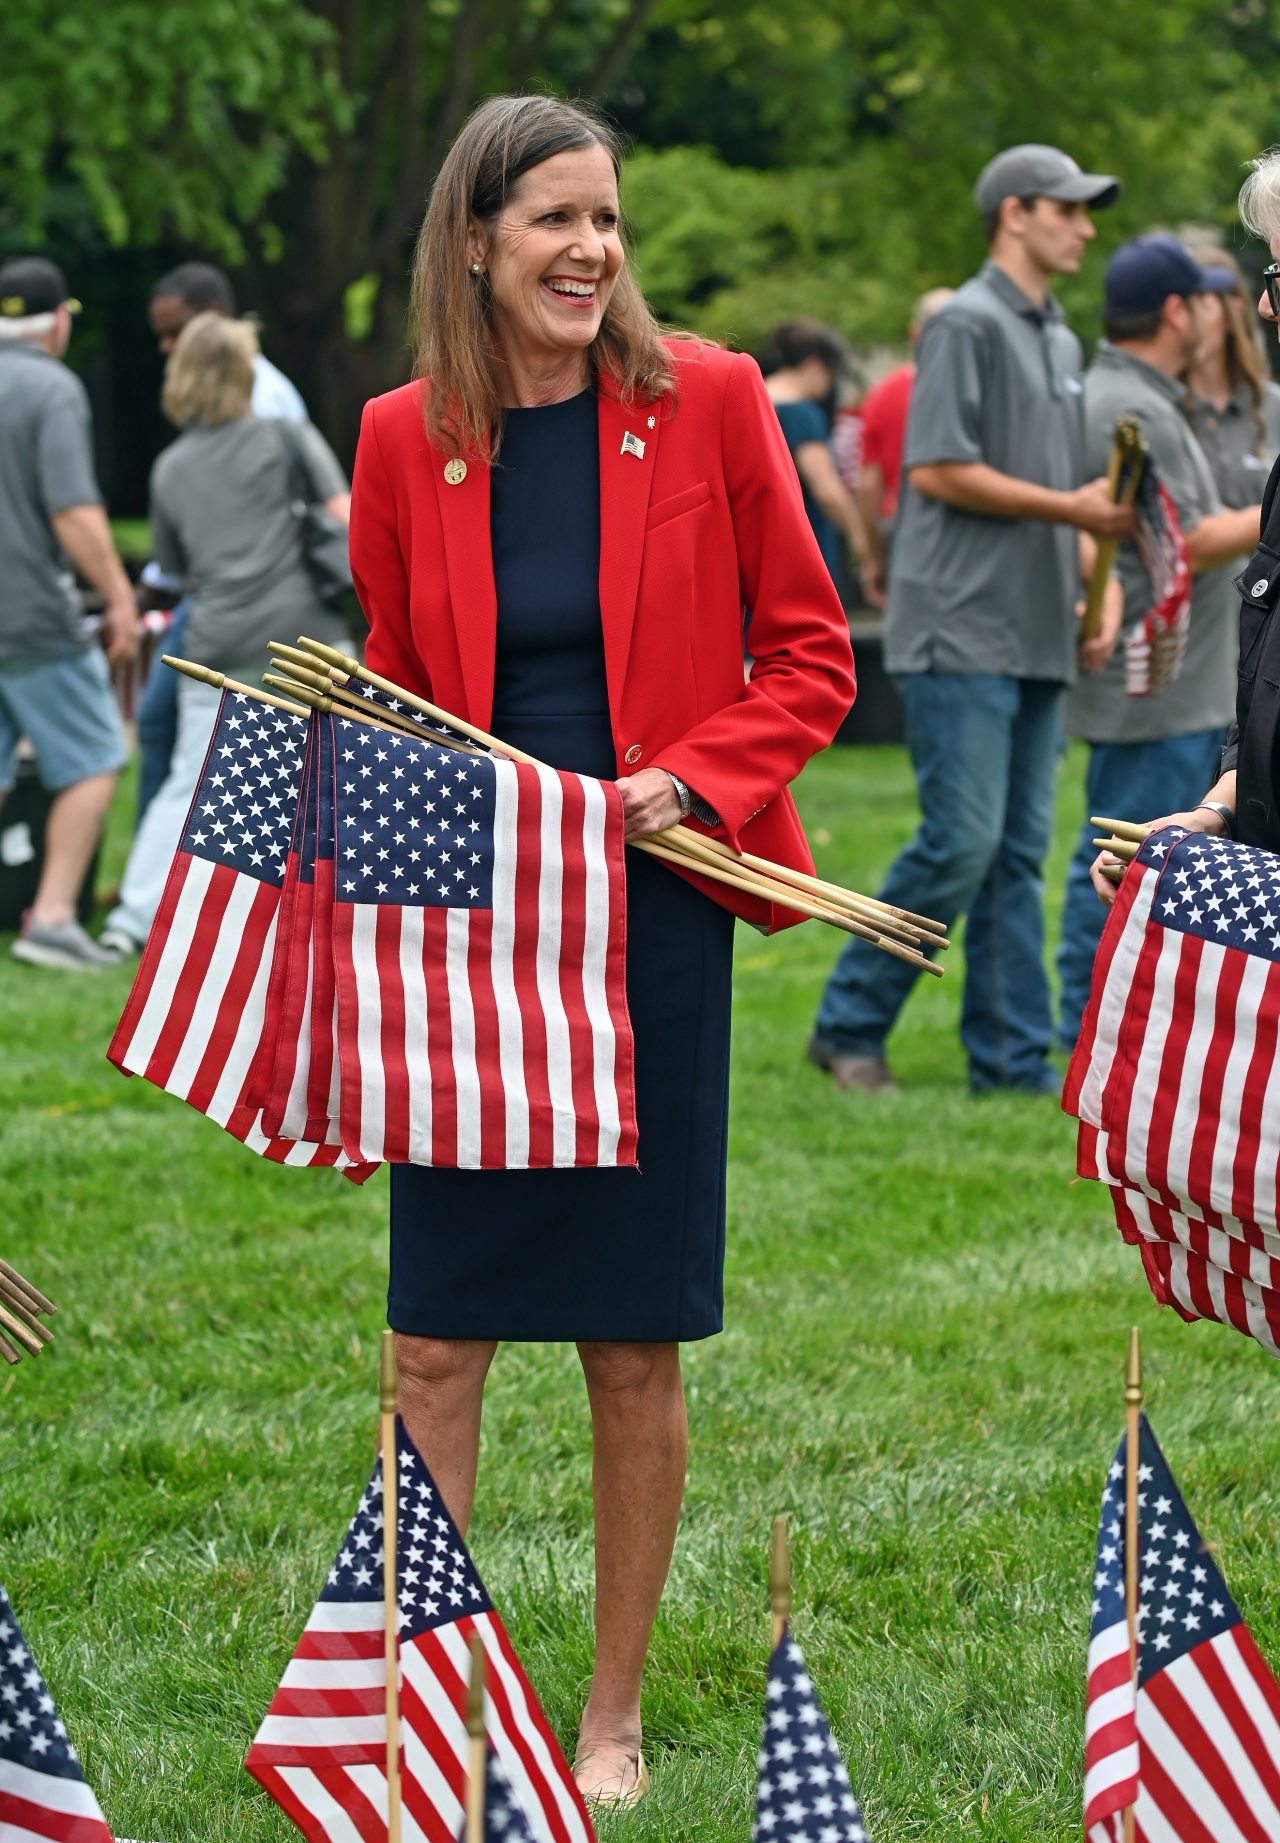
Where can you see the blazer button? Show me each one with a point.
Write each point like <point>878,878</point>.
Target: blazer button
<point>633,754</point>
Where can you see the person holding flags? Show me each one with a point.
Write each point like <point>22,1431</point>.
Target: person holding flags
<point>1150,751</point>
<point>564,532</point>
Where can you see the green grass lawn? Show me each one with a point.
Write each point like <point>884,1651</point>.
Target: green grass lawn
<point>925,1334</point>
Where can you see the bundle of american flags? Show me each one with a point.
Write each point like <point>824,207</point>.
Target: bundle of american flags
<point>42,1789</point>
<point>1194,1743</point>
<point>1176,1076</point>
<point>373,946</point>
<point>1154,646</point>
<point>321,1751</point>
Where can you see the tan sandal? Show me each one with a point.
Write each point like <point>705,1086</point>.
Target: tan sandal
<point>625,1801</point>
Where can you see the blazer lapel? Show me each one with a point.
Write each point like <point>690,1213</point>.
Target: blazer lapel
<point>626,479</point>
<point>464,518</point>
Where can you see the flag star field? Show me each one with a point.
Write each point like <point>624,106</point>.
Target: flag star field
<point>244,810</point>
<point>1218,891</point>
<point>1182,1597</point>
<point>30,1731</point>
<point>436,1581</point>
<point>415,823</point>
<point>803,1793</point>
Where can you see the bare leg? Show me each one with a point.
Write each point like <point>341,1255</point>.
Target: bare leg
<point>441,1394</point>
<point>70,840</point>
<point>640,1435</point>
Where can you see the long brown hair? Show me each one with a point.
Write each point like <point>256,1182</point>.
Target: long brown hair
<point>500,142</point>
<point>1246,362</point>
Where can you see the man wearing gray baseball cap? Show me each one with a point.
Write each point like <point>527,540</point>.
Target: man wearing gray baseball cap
<point>981,628</point>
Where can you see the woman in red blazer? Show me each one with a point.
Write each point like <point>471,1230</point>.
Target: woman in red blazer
<point>570,532</point>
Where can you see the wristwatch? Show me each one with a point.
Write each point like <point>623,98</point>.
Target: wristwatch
<point>1224,813</point>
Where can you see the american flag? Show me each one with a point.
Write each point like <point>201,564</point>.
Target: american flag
<point>1176,1077</point>
<point>803,1793</point>
<point>1154,646</point>
<point>479,945</point>
<point>321,1750</point>
<point>504,1821</point>
<point>1196,1748</point>
<point>42,1789</point>
<point>194,1020</point>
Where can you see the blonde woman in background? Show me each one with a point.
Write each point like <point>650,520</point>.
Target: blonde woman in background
<point>1231,403</point>
<point>222,518</point>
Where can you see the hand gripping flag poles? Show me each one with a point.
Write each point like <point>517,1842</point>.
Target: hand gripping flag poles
<point>1182,1725</point>
<point>898,931</point>
<point>383,1724</point>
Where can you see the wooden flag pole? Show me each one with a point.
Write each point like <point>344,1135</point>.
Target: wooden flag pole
<point>387,1391</point>
<point>19,1303</point>
<point>478,1745</point>
<point>220,682</point>
<point>1133,1408</point>
<point>678,844</point>
<point>1129,446</point>
<point>780,1579</point>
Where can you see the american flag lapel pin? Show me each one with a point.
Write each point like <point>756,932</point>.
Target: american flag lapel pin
<point>631,444</point>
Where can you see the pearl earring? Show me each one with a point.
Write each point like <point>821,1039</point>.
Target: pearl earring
<point>475,268</point>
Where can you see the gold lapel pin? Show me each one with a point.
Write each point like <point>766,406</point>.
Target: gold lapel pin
<point>631,444</point>
<point>455,472</point>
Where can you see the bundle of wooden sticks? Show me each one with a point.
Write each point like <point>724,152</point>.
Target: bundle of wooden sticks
<point>312,676</point>
<point>20,1328</point>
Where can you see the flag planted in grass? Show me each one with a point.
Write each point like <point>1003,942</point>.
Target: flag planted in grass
<point>194,1021</point>
<point>803,1794</point>
<point>43,1793</point>
<point>1194,1746</point>
<point>321,1750</point>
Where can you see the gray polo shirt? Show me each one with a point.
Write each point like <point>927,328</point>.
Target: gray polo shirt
<point>1203,696</point>
<point>1240,442</point>
<point>998,381</point>
<point>46,466</point>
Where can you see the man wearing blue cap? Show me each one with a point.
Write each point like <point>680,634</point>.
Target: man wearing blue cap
<point>1157,753</point>
<point>981,627</point>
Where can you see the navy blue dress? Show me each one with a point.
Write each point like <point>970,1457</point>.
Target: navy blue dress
<point>619,1255</point>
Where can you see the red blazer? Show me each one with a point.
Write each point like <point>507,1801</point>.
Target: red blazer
<point>707,523</point>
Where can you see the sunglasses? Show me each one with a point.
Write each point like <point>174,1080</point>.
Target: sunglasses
<point>1271,282</point>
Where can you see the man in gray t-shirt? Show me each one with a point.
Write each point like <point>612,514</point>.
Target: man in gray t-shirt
<point>981,628</point>
<point>54,686</point>
<point>1158,753</point>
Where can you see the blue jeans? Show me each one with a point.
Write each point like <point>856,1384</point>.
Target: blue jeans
<point>158,714</point>
<point>984,749</point>
<point>1126,780</point>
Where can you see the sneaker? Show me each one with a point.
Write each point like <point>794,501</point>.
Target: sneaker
<point>119,942</point>
<point>63,944</point>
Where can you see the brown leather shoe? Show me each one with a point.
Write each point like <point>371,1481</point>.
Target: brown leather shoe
<point>869,1073</point>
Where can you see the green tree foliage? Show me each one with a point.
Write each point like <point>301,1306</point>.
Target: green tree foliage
<point>792,155</point>
<point>174,119</point>
<point>865,123</point>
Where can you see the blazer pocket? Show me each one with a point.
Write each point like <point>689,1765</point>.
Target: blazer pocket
<point>677,505</point>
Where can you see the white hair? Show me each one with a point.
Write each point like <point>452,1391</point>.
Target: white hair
<point>27,326</point>
<point>1260,196</point>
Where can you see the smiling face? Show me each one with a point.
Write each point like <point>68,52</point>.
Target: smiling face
<point>553,257</point>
